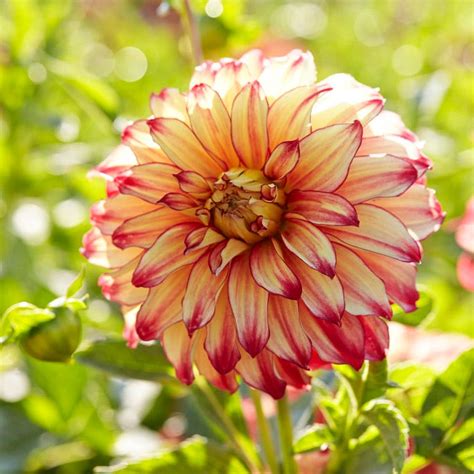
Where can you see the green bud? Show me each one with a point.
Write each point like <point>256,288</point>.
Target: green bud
<point>55,340</point>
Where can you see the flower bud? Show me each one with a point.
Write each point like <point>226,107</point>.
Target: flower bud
<point>55,340</point>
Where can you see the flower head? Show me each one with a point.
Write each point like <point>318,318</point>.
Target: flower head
<point>261,218</point>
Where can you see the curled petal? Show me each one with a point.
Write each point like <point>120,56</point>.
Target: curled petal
<point>283,160</point>
<point>194,184</point>
<point>169,103</point>
<point>200,238</point>
<point>376,337</point>
<point>223,253</point>
<point>178,201</point>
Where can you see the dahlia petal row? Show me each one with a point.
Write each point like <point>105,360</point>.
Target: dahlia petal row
<point>261,222</point>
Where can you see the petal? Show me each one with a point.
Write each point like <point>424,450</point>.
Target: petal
<point>398,277</point>
<point>417,208</point>
<point>325,157</point>
<point>249,126</point>
<point>100,250</point>
<point>282,160</point>
<point>465,271</point>
<point>338,344</point>
<point>287,338</point>
<point>322,295</point>
<point>230,79</point>
<point>117,285</point>
<point>194,184</point>
<point>211,123</point>
<point>348,100</point>
<point>182,147</point>
<point>259,373</point>
<point>119,160</point>
<point>178,347</point>
<point>224,253</point>
<point>163,306</point>
<point>179,201</point>
<point>254,60</point>
<point>380,232</point>
<point>202,291</point>
<point>129,333</point>
<point>289,115</point>
<point>200,238</point>
<point>165,256</point>
<point>465,230</point>
<point>364,292</point>
<point>271,272</point>
<point>143,230</point>
<point>308,243</point>
<point>388,123</point>
<point>385,176</point>
<point>137,137</point>
<point>149,182</point>
<point>249,306</point>
<point>376,337</point>
<point>169,103</point>
<point>291,374</point>
<point>322,208</point>
<point>221,337</point>
<point>204,73</point>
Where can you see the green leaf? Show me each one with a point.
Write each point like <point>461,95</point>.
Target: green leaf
<point>196,456</point>
<point>21,318</point>
<point>74,304</point>
<point>76,285</point>
<point>420,315</point>
<point>313,439</point>
<point>144,362</point>
<point>374,377</point>
<point>392,427</point>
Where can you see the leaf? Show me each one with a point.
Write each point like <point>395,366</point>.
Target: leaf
<point>314,438</point>
<point>420,315</point>
<point>392,427</point>
<point>196,455</point>
<point>374,378</point>
<point>77,283</point>
<point>21,318</point>
<point>74,304</point>
<point>144,362</point>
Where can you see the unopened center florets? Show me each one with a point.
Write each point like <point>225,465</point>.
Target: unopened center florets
<point>246,205</point>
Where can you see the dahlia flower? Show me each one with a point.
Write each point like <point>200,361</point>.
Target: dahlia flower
<point>262,221</point>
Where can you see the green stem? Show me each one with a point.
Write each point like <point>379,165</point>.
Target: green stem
<point>227,422</point>
<point>264,430</point>
<point>285,429</point>
<point>193,33</point>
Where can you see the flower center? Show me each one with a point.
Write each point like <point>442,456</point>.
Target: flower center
<point>245,205</point>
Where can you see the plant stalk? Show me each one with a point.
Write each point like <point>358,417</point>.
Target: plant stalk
<point>285,429</point>
<point>193,33</point>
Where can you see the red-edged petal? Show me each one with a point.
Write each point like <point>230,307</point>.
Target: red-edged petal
<point>376,337</point>
<point>417,208</point>
<point>388,123</point>
<point>380,232</point>
<point>182,147</point>
<point>325,157</point>
<point>200,238</point>
<point>287,338</point>
<point>165,256</point>
<point>194,184</point>
<point>364,292</point>
<point>179,201</point>
<point>291,374</point>
<point>169,103</point>
<point>249,305</point>
<point>308,243</point>
<point>119,160</point>
<point>259,372</point>
<point>271,272</point>
<point>163,306</point>
<point>249,126</point>
<point>385,176</point>
<point>322,208</point>
<point>221,336</point>
<point>322,295</point>
<point>223,253</point>
<point>229,80</point>
<point>338,344</point>
<point>202,291</point>
<point>282,160</point>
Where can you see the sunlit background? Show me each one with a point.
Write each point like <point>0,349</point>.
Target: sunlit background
<point>74,73</point>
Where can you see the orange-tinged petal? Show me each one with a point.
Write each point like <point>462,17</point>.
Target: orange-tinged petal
<point>163,306</point>
<point>259,372</point>
<point>200,238</point>
<point>194,184</point>
<point>308,243</point>
<point>322,295</point>
<point>143,230</point>
<point>283,160</point>
<point>380,232</point>
<point>183,148</point>
<point>376,337</point>
<point>287,338</point>
<point>249,304</point>
<point>325,157</point>
<point>221,255</point>
<point>364,292</point>
<point>221,337</point>
<point>119,160</point>
<point>210,121</point>
<point>417,208</point>
<point>179,201</point>
<point>272,273</point>
<point>289,115</point>
<point>230,79</point>
<point>202,291</point>
<point>165,256</point>
<point>249,126</point>
<point>169,103</point>
<point>338,344</point>
<point>179,348</point>
<point>322,208</point>
<point>149,182</point>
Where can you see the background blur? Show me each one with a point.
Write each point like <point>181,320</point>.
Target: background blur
<point>73,73</point>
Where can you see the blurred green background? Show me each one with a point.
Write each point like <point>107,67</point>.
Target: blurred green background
<point>74,73</point>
